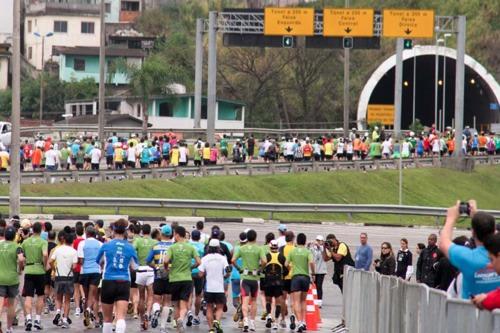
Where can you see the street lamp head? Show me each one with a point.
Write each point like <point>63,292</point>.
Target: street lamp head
<point>447,35</point>
<point>37,34</point>
<point>49,34</point>
<point>440,40</point>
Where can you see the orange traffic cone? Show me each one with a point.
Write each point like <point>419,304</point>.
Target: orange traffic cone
<point>311,314</point>
<point>316,302</point>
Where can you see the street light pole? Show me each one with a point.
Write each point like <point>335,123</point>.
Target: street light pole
<point>41,82</point>
<point>414,81</point>
<point>347,97</point>
<point>101,119</point>
<point>443,125</point>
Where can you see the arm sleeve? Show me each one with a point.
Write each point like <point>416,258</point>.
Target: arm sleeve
<point>150,256</point>
<point>492,300</point>
<point>409,272</point>
<point>342,250</point>
<point>201,268</point>
<point>75,258</point>
<point>392,266</point>
<point>79,251</point>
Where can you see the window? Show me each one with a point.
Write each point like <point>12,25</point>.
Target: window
<point>30,53</point>
<point>108,8</point>
<point>166,110</point>
<point>87,27</point>
<point>134,44</point>
<point>130,6</point>
<point>138,110</point>
<point>61,26</point>
<point>79,64</point>
<point>29,26</point>
<point>204,111</point>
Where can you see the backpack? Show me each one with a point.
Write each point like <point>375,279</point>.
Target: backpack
<point>275,270</point>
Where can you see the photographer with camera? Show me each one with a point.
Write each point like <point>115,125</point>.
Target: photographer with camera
<point>339,253</point>
<point>473,263</point>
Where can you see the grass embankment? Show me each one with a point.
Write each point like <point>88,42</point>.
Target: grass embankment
<point>424,187</point>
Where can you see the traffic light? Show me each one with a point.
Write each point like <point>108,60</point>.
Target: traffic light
<point>348,43</point>
<point>287,41</point>
<point>408,44</point>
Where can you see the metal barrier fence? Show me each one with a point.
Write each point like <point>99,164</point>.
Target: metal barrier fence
<point>270,207</point>
<point>375,303</point>
<point>234,169</point>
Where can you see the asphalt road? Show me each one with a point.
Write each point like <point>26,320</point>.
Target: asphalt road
<point>331,311</point>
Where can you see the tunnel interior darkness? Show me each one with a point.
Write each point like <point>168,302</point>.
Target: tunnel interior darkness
<point>478,95</point>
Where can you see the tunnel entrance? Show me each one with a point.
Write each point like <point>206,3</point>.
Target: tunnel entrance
<point>480,98</point>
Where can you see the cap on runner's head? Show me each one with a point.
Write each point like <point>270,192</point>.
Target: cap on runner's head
<point>214,243</point>
<point>243,237</point>
<point>195,234</point>
<point>166,230</point>
<point>215,233</point>
<point>320,238</point>
<point>273,244</point>
<point>282,227</point>
<point>25,224</point>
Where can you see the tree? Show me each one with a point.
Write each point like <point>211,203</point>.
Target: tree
<point>5,103</point>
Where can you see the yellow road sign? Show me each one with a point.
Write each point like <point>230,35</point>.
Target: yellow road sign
<point>340,22</point>
<point>289,21</point>
<point>383,113</point>
<point>408,23</point>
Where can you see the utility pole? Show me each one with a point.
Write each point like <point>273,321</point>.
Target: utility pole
<point>347,96</point>
<point>198,73</point>
<point>398,88</point>
<point>15,161</point>
<point>212,76</point>
<point>102,64</point>
<point>41,81</point>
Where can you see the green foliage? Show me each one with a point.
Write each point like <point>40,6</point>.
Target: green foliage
<point>417,126</point>
<point>5,103</point>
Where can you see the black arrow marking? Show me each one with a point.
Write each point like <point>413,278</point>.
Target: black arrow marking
<point>288,29</point>
<point>408,31</point>
<point>348,30</point>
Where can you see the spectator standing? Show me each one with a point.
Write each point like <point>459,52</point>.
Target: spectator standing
<point>281,239</point>
<point>404,260</point>
<point>425,264</point>
<point>473,263</point>
<point>386,265</point>
<point>445,272</point>
<point>339,253</point>
<point>320,264</point>
<point>364,253</point>
<point>491,300</point>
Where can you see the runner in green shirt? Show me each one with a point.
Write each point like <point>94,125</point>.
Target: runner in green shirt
<point>11,258</point>
<point>375,150</point>
<point>253,258</point>
<point>300,260</point>
<point>35,251</point>
<point>145,275</point>
<point>223,146</point>
<point>181,282</point>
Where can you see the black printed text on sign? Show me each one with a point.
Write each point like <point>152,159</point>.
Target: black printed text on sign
<point>289,21</point>
<point>340,22</point>
<point>402,23</point>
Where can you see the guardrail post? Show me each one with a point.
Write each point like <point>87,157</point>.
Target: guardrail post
<point>250,169</point>
<point>102,175</point>
<point>272,169</point>
<point>117,210</point>
<point>155,174</point>
<point>294,168</point>
<point>271,215</point>
<point>46,177</point>
<point>491,160</point>
<point>75,175</point>
<point>376,163</point>
<point>417,163</point>
<point>436,162</point>
<point>356,165</point>
<point>227,169</point>
<point>129,174</point>
<point>178,172</point>
<point>349,216</point>
<point>40,209</point>
<point>193,212</point>
<point>315,166</point>
<point>204,171</point>
<point>336,165</point>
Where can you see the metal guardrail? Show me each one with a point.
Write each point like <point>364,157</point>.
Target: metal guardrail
<point>375,303</point>
<point>247,206</point>
<point>234,169</point>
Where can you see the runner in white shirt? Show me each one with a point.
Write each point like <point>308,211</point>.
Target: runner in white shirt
<point>215,268</point>
<point>132,155</point>
<point>183,155</point>
<point>52,159</point>
<point>340,149</point>
<point>95,158</point>
<point>386,148</point>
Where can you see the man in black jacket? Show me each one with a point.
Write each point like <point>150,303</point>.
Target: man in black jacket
<point>429,256</point>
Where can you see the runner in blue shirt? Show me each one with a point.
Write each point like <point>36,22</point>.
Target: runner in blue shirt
<point>90,275</point>
<point>161,289</point>
<point>198,282</point>
<point>115,290</point>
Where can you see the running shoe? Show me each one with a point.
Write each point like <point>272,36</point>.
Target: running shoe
<point>56,320</point>
<point>190,317</point>
<point>269,321</point>
<point>145,322</point>
<point>264,316</point>
<point>283,323</point>
<point>77,312</point>
<point>86,318</point>
<point>170,312</point>
<point>130,308</point>
<point>275,326</point>
<point>218,327</point>
<point>64,324</point>
<point>245,325</point>
<point>196,321</point>
<point>28,325</point>
<point>292,322</point>
<point>180,326</point>
<point>154,319</point>
<point>38,325</point>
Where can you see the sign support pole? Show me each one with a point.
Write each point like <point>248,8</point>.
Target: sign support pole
<point>398,88</point>
<point>212,76</point>
<point>198,74</point>
<point>459,88</point>
<point>347,97</point>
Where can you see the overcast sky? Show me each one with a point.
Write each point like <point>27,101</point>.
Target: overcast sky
<point>6,16</point>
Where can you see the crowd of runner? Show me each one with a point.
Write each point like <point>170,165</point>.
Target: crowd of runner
<point>87,153</point>
<point>170,277</point>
